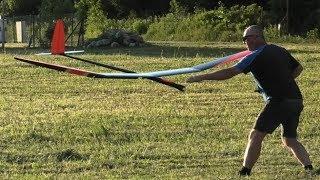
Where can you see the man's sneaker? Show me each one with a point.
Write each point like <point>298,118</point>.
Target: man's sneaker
<point>308,167</point>
<point>309,170</point>
<point>245,171</point>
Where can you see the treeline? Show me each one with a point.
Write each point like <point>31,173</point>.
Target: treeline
<point>121,8</point>
<point>181,19</point>
<point>219,24</point>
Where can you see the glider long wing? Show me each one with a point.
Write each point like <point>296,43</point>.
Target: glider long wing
<point>197,68</point>
<point>62,68</point>
<point>156,79</point>
<point>132,75</point>
<point>97,75</point>
<point>58,48</point>
<point>81,72</point>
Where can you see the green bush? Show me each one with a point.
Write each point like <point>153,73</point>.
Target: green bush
<point>164,28</point>
<point>221,24</point>
<point>141,26</point>
<point>271,33</point>
<point>313,35</point>
<point>96,21</point>
<point>291,39</point>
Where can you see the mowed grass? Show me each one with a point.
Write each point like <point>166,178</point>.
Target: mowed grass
<point>57,125</point>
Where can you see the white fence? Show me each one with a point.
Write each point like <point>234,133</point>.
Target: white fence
<point>36,32</point>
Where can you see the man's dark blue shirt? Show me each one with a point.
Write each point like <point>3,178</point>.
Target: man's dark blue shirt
<point>272,67</point>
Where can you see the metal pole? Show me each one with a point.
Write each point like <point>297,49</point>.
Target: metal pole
<point>3,29</point>
<point>33,31</point>
<point>287,14</point>
<point>72,24</point>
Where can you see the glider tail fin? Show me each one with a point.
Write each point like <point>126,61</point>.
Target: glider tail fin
<point>57,43</point>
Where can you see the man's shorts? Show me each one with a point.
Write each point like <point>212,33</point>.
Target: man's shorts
<point>285,112</point>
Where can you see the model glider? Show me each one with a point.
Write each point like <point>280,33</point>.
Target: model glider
<point>58,48</point>
<point>133,75</point>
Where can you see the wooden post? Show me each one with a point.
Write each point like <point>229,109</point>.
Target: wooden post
<point>287,15</point>
<point>3,28</point>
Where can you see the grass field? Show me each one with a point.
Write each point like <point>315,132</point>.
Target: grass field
<point>57,125</point>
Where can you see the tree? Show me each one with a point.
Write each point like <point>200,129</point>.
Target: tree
<point>82,8</point>
<point>176,7</point>
<point>21,7</point>
<point>96,19</point>
<point>139,8</point>
<point>55,9</point>
<point>298,14</point>
<point>50,11</point>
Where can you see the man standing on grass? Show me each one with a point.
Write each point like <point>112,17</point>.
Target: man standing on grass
<point>274,70</point>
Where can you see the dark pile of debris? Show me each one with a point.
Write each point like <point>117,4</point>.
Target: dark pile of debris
<point>116,38</point>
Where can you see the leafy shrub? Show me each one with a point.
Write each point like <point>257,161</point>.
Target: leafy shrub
<point>291,39</point>
<point>271,33</point>
<point>141,26</point>
<point>96,22</point>
<point>221,24</point>
<point>164,28</point>
<point>313,35</point>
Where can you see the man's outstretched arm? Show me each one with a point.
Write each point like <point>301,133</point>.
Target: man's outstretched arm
<point>218,75</point>
<point>297,71</point>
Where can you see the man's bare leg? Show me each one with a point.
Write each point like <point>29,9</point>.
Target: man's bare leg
<point>252,151</point>
<point>298,151</point>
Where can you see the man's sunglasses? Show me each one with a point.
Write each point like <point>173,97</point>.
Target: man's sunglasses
<point>244,39</point>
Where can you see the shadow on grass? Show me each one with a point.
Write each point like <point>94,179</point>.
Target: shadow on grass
<point>178,50</point>
<point>22,163</point>
<point>37,137</point>
<point>70,155</point>
<point>65,155</point>
<point>167,50</point>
